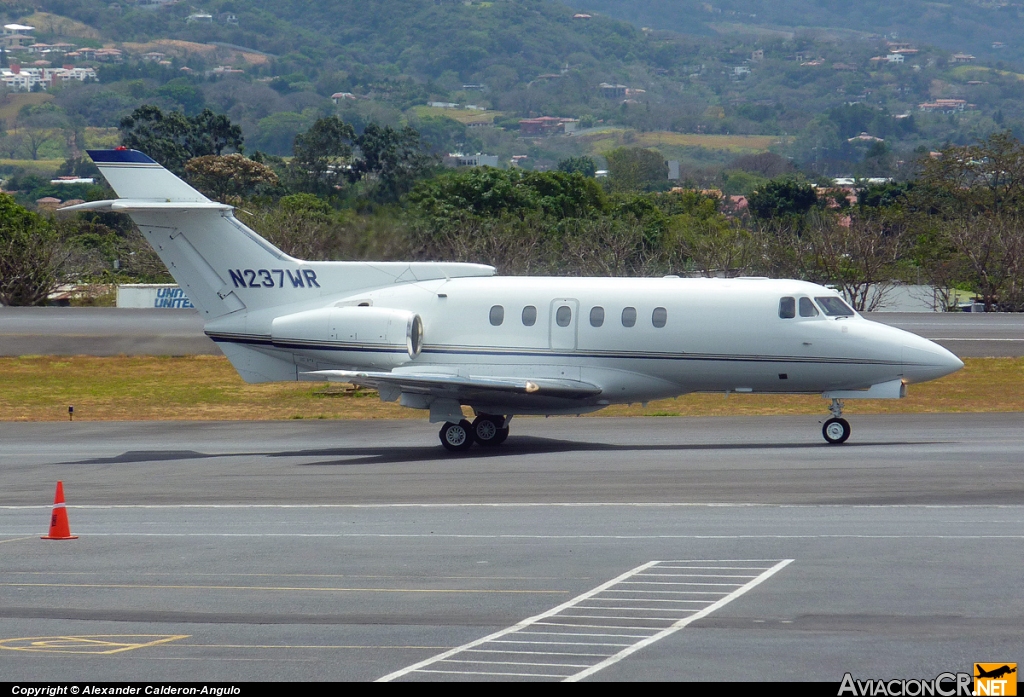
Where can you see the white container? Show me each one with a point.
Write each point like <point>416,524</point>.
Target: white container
<point>152,295</point>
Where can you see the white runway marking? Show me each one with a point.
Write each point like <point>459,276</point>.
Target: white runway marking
<point>556,504</point>
<point>79,529</point>
<point>572,615</point>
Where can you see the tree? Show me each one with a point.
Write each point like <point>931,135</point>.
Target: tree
<point>976,193</point>
<point>987,178</point>
<point>636,169</point>
<point>766,164</point>
<point>862,256</point>
<point>991,253</point>
<point>711,245</point>
<point>582,164</point>
<point>784,197</point>
<point>41,123</point>
<point>234,175</point>
<point>395,159</point>
<point>487,192</point>
<point>173,139</point>
<point>214,133</point>
<point>12,145</point>
<point>32,255</point>
<point>322,157</point>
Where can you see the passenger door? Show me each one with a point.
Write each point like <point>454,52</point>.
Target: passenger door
<point>562,321</point>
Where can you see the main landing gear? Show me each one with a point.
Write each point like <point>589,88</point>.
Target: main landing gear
<point>487,429</point>
<point>837,429</point>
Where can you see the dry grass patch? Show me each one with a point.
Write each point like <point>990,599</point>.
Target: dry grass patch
<point>57,25</point>
<point>40,388</point>
<point>183,49</point>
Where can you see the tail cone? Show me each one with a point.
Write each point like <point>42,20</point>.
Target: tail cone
<point>59,528</point>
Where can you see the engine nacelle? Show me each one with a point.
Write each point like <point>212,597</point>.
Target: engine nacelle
<point>369,335</point>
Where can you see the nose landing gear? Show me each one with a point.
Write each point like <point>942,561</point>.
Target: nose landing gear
<point>837,429</point>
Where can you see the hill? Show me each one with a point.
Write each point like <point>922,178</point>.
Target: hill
<point>974,26</point>
<point>807,76</point>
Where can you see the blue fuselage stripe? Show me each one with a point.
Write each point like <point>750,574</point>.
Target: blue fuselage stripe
<point>546,353</point>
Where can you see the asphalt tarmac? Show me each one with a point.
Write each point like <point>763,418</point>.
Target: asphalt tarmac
<point>165,332</point>
<point>596,549</point>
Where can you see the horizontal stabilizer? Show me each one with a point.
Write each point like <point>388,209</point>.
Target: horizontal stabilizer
<point>124,205</point>
<point>458,386</point>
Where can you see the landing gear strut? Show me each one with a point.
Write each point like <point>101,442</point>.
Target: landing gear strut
<point>488,430</point>
<point>837,429</point>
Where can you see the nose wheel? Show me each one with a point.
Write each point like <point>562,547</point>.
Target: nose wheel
<point>837,429</point>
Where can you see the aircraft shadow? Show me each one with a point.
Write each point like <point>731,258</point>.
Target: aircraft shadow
<point>514,446</point>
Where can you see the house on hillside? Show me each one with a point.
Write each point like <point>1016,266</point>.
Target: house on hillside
<point>945,106</point>
<point>865,138</point>
<point>611,91</point>
<point>19,78</point>
<point>48,203</point>
<point>14,36</point>
<point>457,159</point>
<point>547,125</point>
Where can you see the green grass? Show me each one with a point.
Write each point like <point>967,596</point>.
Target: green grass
<point>463,116</point>
<point>40,388</point>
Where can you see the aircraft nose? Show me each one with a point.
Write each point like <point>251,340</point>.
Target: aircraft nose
<point>925,360</point>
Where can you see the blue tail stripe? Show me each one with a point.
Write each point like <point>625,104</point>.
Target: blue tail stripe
<point>101,156</point>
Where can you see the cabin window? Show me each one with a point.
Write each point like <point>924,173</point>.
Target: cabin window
<point>529,316</point>
<point>659,317</point>
<point>787,308</point>
<point>596,316</point>
<point>563,316</point>
<point>628,316</point>
<point>497,315</point>
<point>807,308</point>
<point>834,306</point>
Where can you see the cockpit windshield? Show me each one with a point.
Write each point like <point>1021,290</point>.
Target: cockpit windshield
<point>834,306</point>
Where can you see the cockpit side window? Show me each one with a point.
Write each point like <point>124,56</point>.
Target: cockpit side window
<point>807,308</point>
<point>833,306</point>
<point>787,308</point>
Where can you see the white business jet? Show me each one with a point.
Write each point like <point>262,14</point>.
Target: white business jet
<point>443,336</point>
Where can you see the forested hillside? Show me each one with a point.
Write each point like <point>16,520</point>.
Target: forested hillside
<point>346,129</point>
<point>744,69</point>
<point>964,25</point>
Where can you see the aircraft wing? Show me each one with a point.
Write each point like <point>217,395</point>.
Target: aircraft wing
<point>459,387</point>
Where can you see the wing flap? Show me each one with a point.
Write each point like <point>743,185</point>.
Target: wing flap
<point>459,386</point>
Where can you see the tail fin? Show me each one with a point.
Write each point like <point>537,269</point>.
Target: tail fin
<point>222,265</point>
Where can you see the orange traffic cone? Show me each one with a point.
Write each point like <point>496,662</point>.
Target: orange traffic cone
<point>59,528</point>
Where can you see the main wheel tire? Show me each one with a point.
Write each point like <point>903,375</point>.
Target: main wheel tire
<point>836,431</point>
<point>456,437</point>
<point>487,430</point>
<point>502,436</point>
